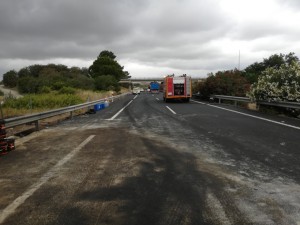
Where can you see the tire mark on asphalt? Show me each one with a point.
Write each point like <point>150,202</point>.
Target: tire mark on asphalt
<point>217,209</point>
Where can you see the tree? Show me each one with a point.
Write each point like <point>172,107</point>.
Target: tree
<point>108,54</point>
<point>45,78</point>
<point>105,64</point>
<point>275,61</point>
<point>278,84</point>
<point>290,58</point>
<point>33,71</point>
<point>106,83</point>
<point>253,71</point>
<point>24,72</point>
<point>10,79</point>
<point>28,84</point>
<point>229,82</point>
<point>50,77</point>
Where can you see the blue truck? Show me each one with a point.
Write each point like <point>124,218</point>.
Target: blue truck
<point>154,87</point>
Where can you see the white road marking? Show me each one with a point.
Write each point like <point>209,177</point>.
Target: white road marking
<point>171,110</point>
<point>249,115</point>
<point>121,110</point>
<point>135,97</point>
<point>157,99</point>
<point>10,209</point>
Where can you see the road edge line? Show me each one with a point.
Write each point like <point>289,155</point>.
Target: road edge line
<point>249,115</point>
<point>121,110</point>
<point>10,209</point>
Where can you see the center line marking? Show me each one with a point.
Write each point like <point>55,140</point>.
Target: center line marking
<point>10,209</point>
<point>121,110</point>
<point>171,110</point>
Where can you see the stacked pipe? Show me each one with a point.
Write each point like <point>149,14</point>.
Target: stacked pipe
<point>6,144</point>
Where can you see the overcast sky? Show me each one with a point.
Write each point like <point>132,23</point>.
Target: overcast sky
<point>149,37</point>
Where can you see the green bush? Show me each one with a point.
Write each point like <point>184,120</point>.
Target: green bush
<point>58,85</point>
<point>45,90</point>
<point>106,83</point>
<point>10,79</point>
<point>67,90</point>
<point>82,82</point>
<point>28,85</point>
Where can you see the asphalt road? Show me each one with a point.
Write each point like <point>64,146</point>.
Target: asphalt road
<point>144,161</point>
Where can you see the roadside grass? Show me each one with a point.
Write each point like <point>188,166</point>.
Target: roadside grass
<point>35,103</point>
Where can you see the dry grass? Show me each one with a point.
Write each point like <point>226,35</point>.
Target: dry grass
<point>85,95</point>
<point>92,95</point>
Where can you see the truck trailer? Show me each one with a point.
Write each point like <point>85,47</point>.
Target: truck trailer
<point>154,87</point>
<point>179,88</point>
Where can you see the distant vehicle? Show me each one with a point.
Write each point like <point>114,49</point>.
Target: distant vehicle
<point>136,91</point>
<point>154,87</point>
<point>177,88</point>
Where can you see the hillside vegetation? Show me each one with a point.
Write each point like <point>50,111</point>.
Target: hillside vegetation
<point>103,74</point>
<point>54,86</point>
<point>275,78</point>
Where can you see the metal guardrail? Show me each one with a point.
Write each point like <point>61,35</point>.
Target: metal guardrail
<point>20,120</point>
<point>232,98</point>
<point>292,105</point>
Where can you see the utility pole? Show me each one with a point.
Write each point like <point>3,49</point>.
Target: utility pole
<point>239,60</point>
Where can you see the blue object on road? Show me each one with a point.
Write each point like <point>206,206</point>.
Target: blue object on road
<point>97,107</point>
<point>100,106</point>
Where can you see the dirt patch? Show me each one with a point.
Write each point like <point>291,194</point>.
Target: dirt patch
<point>8,91</point>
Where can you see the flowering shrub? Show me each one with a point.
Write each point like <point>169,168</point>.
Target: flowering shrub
<point>281,84</point>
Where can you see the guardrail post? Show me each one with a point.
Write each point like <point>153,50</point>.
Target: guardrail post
<point>1,111</point>
<point>219,100</point>
<point>36,125</point>
<point>235,103</point>
<point>71,114</point>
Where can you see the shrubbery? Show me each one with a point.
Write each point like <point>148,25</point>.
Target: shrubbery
<point>46,101</point>
<point>103,74</point>
<point>229,82</point>
<point>10,79</point>
<point>277,78</point>
<point>282,84</point>
<point>106,83</point>
<point>67,90</point>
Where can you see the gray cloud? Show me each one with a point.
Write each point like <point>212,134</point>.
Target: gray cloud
<point>188,35</point>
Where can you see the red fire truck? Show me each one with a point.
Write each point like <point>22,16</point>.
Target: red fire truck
<point>177,88</point>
